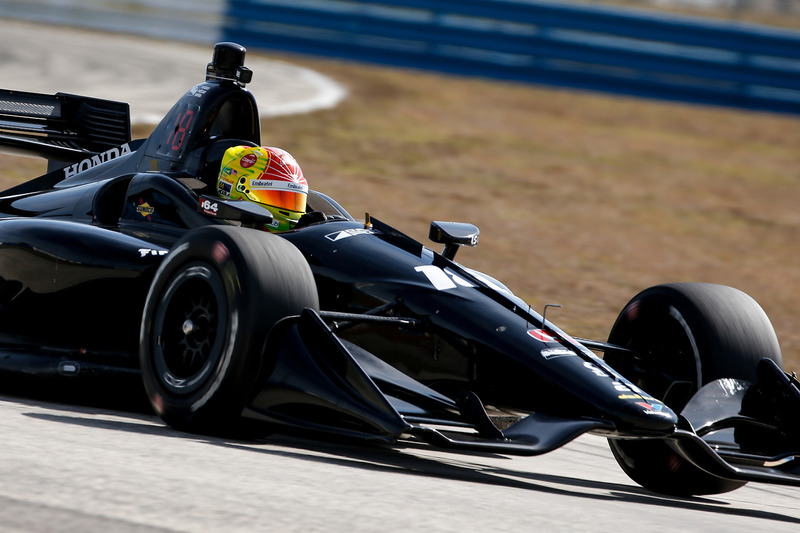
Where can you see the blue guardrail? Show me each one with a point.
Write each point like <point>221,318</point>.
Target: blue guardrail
<point>586,47</point>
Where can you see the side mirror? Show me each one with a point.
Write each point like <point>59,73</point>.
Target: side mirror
<point>453,235</point>
<point>249,214</point>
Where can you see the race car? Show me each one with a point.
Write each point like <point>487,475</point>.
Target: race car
<point>124,259</point>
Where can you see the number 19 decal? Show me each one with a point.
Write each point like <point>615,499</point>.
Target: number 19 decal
<point>442,280</point>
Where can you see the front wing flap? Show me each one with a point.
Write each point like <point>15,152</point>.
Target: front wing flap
<point>782,469</point>
<point>740,431</point>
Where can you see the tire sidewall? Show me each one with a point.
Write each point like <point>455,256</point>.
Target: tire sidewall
<point>238,263</point>
<point>716,320</point>
<point>725,334</point>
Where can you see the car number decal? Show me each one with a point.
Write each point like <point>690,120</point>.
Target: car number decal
<point>442,280</point>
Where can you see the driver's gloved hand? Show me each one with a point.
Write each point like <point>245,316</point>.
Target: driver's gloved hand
<point>310,218</point>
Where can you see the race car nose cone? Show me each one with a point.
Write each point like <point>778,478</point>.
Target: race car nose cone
<point>650,416</point>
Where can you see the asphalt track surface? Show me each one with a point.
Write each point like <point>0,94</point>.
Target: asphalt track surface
<point>72,468</point>
<point>76,469</point>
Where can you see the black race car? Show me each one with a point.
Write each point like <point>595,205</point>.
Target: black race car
<point>123,259</point>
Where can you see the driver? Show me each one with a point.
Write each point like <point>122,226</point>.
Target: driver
<point>267,176</point>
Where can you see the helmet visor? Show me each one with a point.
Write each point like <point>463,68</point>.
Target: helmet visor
<point>280,194</point>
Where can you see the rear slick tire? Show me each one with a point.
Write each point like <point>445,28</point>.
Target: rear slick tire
<point>209,309</point>
<point>688,334</point>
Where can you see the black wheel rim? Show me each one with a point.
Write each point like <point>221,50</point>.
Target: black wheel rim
<point>666,353</point>
<point>190,329</point>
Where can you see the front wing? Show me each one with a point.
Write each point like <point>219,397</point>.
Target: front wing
<point>316,381</point>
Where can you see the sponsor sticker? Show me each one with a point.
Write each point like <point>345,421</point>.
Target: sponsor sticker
<point>551,353</point>
<point>69,368</point>
<point>654,409</point>
<point>339,235</point>
<point>145,209</point>
<point>635,397</point>
<point>597,371</point>
<point>144,252</point>
<point>209,207</point>
<point>224,188</point>
<point>651,406</point>
<point>541,335</point>
<point>278,185</point>
<point>96,160</point>
<point>198,91</point>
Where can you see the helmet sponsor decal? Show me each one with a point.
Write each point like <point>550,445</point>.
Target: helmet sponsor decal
<point>249,160</point>
<point>278,184</point>
<point>224,188</point>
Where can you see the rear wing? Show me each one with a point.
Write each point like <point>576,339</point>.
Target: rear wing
<point>62,127</point>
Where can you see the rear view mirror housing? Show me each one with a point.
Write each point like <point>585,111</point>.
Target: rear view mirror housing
<point>453,235</point>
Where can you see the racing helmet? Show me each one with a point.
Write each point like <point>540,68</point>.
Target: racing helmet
<point>267,176</point>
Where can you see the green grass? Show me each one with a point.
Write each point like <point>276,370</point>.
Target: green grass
<point>582,199</point>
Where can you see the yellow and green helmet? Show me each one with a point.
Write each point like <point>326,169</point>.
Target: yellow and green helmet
<point>267,176</point>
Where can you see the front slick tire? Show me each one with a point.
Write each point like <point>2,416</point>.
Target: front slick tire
<point>687,334</point>
<point>206,318</point>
